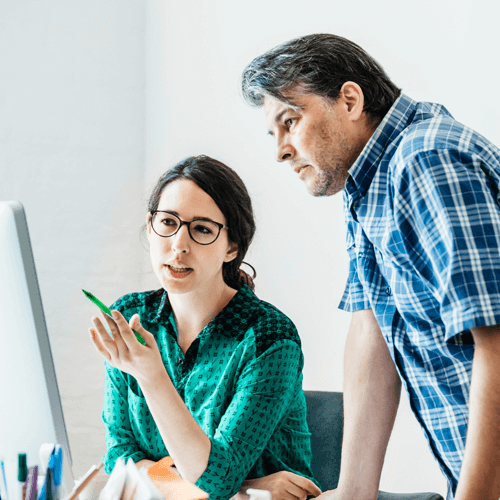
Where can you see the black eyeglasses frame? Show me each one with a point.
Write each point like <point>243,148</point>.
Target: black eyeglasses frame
<point>188,224</point>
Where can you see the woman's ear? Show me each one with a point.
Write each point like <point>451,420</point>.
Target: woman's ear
<point>148,226</point>
<point>232,252</point>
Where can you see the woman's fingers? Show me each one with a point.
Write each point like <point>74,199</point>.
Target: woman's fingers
<point>295,491</point>
<point>122,338</point>
<point>124,330</point>
<point>305,484</point>
<point>112,344</point>
<point>99,345</point>
<point>122,333</point>
<point>314,490</point>
<point>299,486</point>
<point>135,324</point>
<point>283,485</point>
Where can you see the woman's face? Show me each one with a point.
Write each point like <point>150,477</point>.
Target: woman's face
<point>180,264</point>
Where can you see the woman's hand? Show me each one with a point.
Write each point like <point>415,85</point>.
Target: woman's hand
<point>123,351</point>
<point>283,485</point>
<point>144,462</point>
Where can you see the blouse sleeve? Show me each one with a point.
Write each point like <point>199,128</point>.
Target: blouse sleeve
<point>263,395</point>
<point>120,441</point>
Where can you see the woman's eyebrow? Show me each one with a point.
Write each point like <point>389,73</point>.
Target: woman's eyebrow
<point>196,217</point>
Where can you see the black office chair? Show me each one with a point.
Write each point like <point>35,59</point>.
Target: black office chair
<point>325,417</point>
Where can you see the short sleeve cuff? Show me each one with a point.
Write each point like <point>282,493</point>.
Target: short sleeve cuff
<point>354,298</point>
<point>459,320</point>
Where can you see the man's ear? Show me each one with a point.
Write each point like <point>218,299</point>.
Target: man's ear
<point>232,252</point>
<point>353,99</point>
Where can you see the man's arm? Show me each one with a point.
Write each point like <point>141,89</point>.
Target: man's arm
<point>480,473</point>
<point>371,398</point>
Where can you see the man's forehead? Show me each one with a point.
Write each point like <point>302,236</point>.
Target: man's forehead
<point>274,110</point>
<point>272,105</point>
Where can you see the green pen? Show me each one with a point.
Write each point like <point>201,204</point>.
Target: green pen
<point>107,312</point>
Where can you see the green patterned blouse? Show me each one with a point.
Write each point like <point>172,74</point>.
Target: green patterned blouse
<point>241,379</point>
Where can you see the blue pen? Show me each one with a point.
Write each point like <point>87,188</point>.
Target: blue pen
<point>58,462</point>
<point>49,484</point>
<point>50,476</point>
<point>4,480</point>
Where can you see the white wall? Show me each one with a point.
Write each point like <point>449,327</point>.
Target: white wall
<point>97,98</point>
<point>72,151</point>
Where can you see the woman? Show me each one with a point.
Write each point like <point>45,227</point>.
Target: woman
<point>218,385</point>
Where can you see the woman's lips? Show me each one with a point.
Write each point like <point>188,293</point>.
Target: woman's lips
<point>178,272</point>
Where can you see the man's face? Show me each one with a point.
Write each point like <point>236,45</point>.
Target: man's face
<point>317,140</point>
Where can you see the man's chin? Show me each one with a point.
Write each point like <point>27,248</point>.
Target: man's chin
<point>318,187</point>
<point>322,185</point>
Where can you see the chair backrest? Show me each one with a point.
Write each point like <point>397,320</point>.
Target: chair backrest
<point>325,418</point>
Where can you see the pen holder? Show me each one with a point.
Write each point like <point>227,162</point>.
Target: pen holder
<point>62,492</point>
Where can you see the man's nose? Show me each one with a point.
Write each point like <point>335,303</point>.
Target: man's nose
<point>284,151</point>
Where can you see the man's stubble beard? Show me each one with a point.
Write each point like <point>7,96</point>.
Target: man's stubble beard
<point>333,168</point>
<point>333,165</point>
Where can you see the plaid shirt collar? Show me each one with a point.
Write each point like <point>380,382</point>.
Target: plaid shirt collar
<point>364,168</point>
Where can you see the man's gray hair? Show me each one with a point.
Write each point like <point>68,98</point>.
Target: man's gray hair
<point>318,64</point>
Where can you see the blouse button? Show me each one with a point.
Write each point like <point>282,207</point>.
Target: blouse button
<point>388,290</point>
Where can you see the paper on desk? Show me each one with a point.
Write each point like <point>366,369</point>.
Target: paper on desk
<point>128,483</point>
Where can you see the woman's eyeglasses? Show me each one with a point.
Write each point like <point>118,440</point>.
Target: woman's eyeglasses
<point>202,231</point>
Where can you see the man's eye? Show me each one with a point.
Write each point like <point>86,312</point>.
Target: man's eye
<point>289,122</point>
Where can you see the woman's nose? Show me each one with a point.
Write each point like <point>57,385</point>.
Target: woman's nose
<point>181,240</point>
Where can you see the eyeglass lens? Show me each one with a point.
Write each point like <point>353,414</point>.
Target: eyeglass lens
<point>202,231</point>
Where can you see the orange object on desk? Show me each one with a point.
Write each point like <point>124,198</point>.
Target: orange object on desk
<point>171,485</point>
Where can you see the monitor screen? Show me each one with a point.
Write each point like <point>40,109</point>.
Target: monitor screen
<point>30,407</point>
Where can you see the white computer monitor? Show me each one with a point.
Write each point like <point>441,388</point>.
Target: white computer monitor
<point>30,407</point>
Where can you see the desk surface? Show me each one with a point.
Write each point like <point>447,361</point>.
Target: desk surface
<point>179,489</point>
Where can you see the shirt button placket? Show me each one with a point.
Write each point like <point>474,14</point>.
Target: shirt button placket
<point>180,364</point>
<point>179,367</point>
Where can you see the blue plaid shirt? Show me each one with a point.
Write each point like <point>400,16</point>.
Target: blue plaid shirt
<point>423,237</point>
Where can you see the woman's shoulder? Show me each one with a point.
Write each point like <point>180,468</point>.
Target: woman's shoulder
<point>269,324</point>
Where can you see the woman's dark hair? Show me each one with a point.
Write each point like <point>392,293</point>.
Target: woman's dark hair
<point>319,64</point>
<point>226,188</point>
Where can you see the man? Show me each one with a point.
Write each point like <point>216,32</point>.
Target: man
<point>423,237</point>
